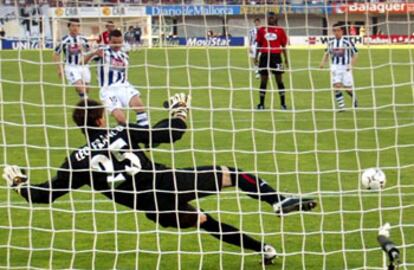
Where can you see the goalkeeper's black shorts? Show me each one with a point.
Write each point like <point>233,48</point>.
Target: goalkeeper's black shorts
<point>270,62</point>
<point>176,188</point>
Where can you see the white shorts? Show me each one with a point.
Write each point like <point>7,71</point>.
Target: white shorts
<point>253,51</point>
<point>117,96</point>
<point>76,73</point>
<point>340,74</point>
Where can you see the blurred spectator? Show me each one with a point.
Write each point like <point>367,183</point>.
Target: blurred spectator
<point>104,37</point>
<point>210,34</point>
<point>30,19</point>
<point>24,13</point>
<point>352,30</point>
<point>362,32</point>
<point>137,34</point>
<point>2,33</point>
<point>129,36</point>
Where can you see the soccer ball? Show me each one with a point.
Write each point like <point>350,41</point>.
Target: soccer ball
<point>373,178</point>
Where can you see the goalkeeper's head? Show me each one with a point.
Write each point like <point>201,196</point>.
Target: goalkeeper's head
<point>271,18</point>
<point>89,115</point>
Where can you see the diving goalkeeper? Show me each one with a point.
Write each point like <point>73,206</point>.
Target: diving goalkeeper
<point>113,164</point>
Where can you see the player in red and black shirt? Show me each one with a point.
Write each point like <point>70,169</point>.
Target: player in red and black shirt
<point>104,37</point>
<point>271,42</point>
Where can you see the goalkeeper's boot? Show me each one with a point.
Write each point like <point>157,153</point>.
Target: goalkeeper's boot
<point>260,106</point>
<point>283,107</point>
<point>269,254</point>
<point>294,204</point>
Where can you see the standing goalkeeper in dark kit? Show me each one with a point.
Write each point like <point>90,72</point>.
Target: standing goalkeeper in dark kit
<point>271,42</point>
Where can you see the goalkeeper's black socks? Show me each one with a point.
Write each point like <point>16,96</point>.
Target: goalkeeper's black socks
<point>339,99</point>
<point>262,97</point>
<point>230,235</point>
<point>142,119</point>
<point>282,99</point>
<point>254,186</point>
<point>263,86</point>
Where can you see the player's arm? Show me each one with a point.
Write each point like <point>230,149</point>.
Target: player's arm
<point>86,46</point>
<point>284,49</point>
<point>354,53</point>
<point>167,130</point>
<point>325,58</point>
<point>259,41</point>
<point>99,53</point>
<point>56,58</point>
<point>48,191</point>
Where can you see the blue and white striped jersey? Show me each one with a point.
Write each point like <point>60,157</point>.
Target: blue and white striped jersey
<point>252,36</point>
<point>73,48</point>
<point>112,67</point>
<point>341,51</point>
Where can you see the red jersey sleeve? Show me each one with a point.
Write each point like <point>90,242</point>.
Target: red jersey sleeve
<point>284,38</point>
<point>260,37</point>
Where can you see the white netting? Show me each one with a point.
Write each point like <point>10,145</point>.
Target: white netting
<point>310,149</point>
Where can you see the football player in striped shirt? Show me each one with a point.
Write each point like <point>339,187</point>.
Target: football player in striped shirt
<point>253,46</point>
<point>116,93</point>
<point>73,46</point>
<point>343,54</point>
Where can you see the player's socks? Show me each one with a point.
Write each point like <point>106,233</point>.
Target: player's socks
<point>340,99</point>
<point>230,234</point>
<point>354,99</point>
<point>282,100</point>
<point>254,186</point>
<point>262,97</point>
<point>281,87</point>
<point>142,119</point>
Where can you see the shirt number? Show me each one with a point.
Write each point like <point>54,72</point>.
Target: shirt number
<point>104,164</point>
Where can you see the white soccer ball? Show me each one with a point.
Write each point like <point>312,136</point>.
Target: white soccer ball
<point>373,178</point>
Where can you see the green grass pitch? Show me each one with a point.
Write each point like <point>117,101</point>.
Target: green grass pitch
<point>310,149</point>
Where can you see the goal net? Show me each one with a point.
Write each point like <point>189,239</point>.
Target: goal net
<point>202,48</point>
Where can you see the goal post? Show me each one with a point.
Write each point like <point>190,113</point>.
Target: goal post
<point>312,149</point>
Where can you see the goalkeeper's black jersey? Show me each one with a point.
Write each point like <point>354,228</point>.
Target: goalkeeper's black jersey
<point>113,164</point>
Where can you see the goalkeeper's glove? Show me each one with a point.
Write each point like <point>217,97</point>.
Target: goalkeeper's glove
<point>179,105</point>
<point>389,247</point>
<point>15,177</point>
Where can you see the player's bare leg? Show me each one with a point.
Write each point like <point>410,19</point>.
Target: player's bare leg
<point>351,93</point>
<point>263,85</point>
<point>119,116</point>
<point>138,106</point>
<point>281,87</point>
<point>82,88</point>
<point>339,96</point>
<point>255,67</point>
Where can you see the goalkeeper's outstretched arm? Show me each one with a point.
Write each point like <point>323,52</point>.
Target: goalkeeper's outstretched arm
<point>168,130</point>
<point>46,192</point>
<point>165,131</point>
